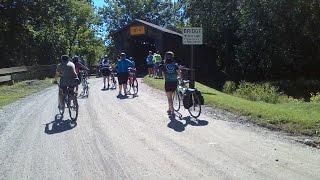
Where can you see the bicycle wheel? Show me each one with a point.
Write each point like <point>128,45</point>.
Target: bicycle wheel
<point>61,109</point>
<point>135,86</point>
<point>87,89</point>
<point>73,108</point>
<point>176,101</point>
<point>114,82</point>
<point>195,109</point>
<point>129,86</point>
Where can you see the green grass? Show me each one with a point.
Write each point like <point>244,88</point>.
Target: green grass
<point>298,118</point>
<point>22,89</point>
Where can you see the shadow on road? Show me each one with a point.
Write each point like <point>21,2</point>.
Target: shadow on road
<point>178,126</point>
<point>59,125</point>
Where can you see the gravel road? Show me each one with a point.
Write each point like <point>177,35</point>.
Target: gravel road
<point>134,139</point>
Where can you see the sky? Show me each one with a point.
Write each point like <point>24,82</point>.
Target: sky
<point>99,3</point>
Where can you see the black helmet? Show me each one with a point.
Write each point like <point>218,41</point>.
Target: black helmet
<point>75,59</point>
<point>64,58</point>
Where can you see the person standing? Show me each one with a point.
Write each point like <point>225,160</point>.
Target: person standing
<point>170,72</point>
<point>105,70</point>
<point>123,74</point>
<point>150,64</point>
<point>157,61</point>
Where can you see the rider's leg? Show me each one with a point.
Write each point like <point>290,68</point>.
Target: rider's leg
<point>170,101</point>
<point>104,82</point>
<point>108,80</point>
<point>60,94</point>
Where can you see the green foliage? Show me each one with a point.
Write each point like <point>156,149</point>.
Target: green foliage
<point>22,89</point>
<point>39,32</point>
<point>229,87</point>
<point>118,13</point>
<point>315,97</point>
<point>302,118</point>
<point>264,92</point>
<point>261,39</point>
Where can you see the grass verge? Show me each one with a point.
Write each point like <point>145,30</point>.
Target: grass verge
<point>22,89</point>
<point>298,118</point>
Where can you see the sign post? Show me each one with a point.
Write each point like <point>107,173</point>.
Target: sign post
<point>192,36</point>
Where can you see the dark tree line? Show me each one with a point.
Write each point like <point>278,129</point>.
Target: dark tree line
<point>261,39</point>
<point>39,32</point>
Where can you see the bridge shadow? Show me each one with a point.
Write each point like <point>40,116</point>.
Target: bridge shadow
<point>176,124</point>
<point>59,125</point>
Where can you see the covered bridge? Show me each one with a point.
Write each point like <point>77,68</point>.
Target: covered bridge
<point>139,37</point>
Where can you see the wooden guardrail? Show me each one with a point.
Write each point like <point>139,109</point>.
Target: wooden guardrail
<point>26,72</point>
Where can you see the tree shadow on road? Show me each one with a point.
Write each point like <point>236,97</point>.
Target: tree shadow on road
<point>178,126</point>
<point>59,125</point>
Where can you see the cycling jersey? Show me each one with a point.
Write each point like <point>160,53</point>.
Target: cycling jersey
<point>105,64</point>
<point>170,71</point>
<point>78,66</point>
<point>157,58</point>
<point>149,59</point>
<point>68,75</point>
<point>123,65</point>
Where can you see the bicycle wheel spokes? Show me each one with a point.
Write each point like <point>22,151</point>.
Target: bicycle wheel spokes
<point>176,101</point>
<point>195,109</point>
<point>135,86</point>
<point>87,91</point>
<point>129,86</point>
<point>73,108</point>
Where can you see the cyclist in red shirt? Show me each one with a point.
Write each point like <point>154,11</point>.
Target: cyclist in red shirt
<point>78,67</point>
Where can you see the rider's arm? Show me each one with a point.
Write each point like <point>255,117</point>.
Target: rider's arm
<point>84,67</point>
<point>179,71</point>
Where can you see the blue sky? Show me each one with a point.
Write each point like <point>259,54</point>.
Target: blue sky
<point>99,3</point>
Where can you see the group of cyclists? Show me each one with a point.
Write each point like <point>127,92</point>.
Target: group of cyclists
<point>166,68</point>
<point>154,62</point>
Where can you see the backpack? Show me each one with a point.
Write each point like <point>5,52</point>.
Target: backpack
<point>187,100</point>
<point>200,96</point>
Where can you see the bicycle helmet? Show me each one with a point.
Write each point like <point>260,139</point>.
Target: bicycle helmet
<point>169,55</point>
<point>64,58</point>
<point>75,59</point>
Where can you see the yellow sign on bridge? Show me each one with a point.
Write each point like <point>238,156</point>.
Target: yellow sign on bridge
<point>137,30</point>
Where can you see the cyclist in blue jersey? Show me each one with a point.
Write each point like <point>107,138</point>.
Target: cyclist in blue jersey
<point>170,73</point>
<point>150,64</point>
<point>122,69</point>
<point>105,69</point>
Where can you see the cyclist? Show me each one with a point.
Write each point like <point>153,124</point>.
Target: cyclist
<point>170,72</point>
<point>105,69</point>
<point>123,74</point>
<point>150,64</point>
<point>157,60</point>
<point>78,65</point>
<point>69,78</point>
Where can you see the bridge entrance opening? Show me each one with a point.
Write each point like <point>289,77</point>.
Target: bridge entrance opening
<point>139,47</point>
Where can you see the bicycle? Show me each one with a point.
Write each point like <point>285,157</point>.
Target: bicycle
<point>113,79</point>
<point>189,97</point>
<point>132,83</point>
<point>69,99</point>
<point>84,83</point>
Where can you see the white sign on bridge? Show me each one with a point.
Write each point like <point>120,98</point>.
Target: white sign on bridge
<point>192,36</point>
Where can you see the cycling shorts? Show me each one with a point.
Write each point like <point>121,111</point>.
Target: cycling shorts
<point>106,72</point>
<point>170,86</point>
<point>123,78</point>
